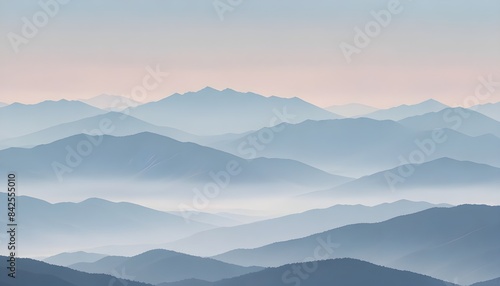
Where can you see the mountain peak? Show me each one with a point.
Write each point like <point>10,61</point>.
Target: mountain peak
<point>432,102</point>
<point>208,89</point>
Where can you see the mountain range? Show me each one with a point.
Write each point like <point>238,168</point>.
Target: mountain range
<point>338,272</point>
<point>489,109</point>
<point>404,111</point>
<point>219,240</point>
<point>359,147</point>
<point>157,266</point>
<point>153,157</point>
<point>34,117</point>
<point>439,175</point>
<point>329,272</point>
<point>67,258</point>
<point>446,243</point>
<point>213,112</point>
<point>463,120</point>
<point>33,272</point>
<point>112,123</point>
<point>62,227</point>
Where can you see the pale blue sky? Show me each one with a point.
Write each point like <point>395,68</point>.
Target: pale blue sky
<point>432,49</point>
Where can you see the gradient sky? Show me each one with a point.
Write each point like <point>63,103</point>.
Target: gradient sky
<point>433,49</point>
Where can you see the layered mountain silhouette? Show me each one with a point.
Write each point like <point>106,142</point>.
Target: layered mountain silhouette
<point>35,117</point>
<point>404,111</point>
<point>489,109</point>
<point>44,225</point>
<point>338,272</point>
<point>212,112</point>
<point>153,157</point>
<point>219,240</point>
<point>463,120</point>
<point>447,243</point>
<point>323,273</point>
<point>231,171</point>
<point>112,123</point>
<point>440,174</point>
<point>331,145</point>
<point>357,147</point>
<point>157,266</point>
<point>33,272</point>
<point>493,282</point>
<point>69,258</point>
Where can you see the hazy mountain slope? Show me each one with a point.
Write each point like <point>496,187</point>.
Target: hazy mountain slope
<point>69,258</point>
<point>338,272</point>
<point>116,124</point>
<point>32,272</point>
<point>359,147</point>
<point>493,282</point>
<point>212,242</point>
<point>212,112</point>
<point>32,118</point>
<point>148,156</point>
<point>490,109</point>
<point>463,120</point>
<point>157,266</point>
<point>331,145</point>
<point>444,173</point>
<point>404,111</point>
<point>465,236</point>
<point>49,228</point>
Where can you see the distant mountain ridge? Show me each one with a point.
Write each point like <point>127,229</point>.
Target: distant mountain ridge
<point>491,110</point>
<point>32,272</point>
<point>493,282</point>
<point>147,156</point>
<point>219,240</point>
<point>157,266</point>
<point>213,112</point>
<point>338,272</point>
<point>443,173</point>
<point>404,111</point>
<point>447,243</point>
<point>35,117</point>
<point>112,123</point>
<point>44,224</point>
<point>67,259</point>
<point>463,120</point>
<point>363,146</point>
